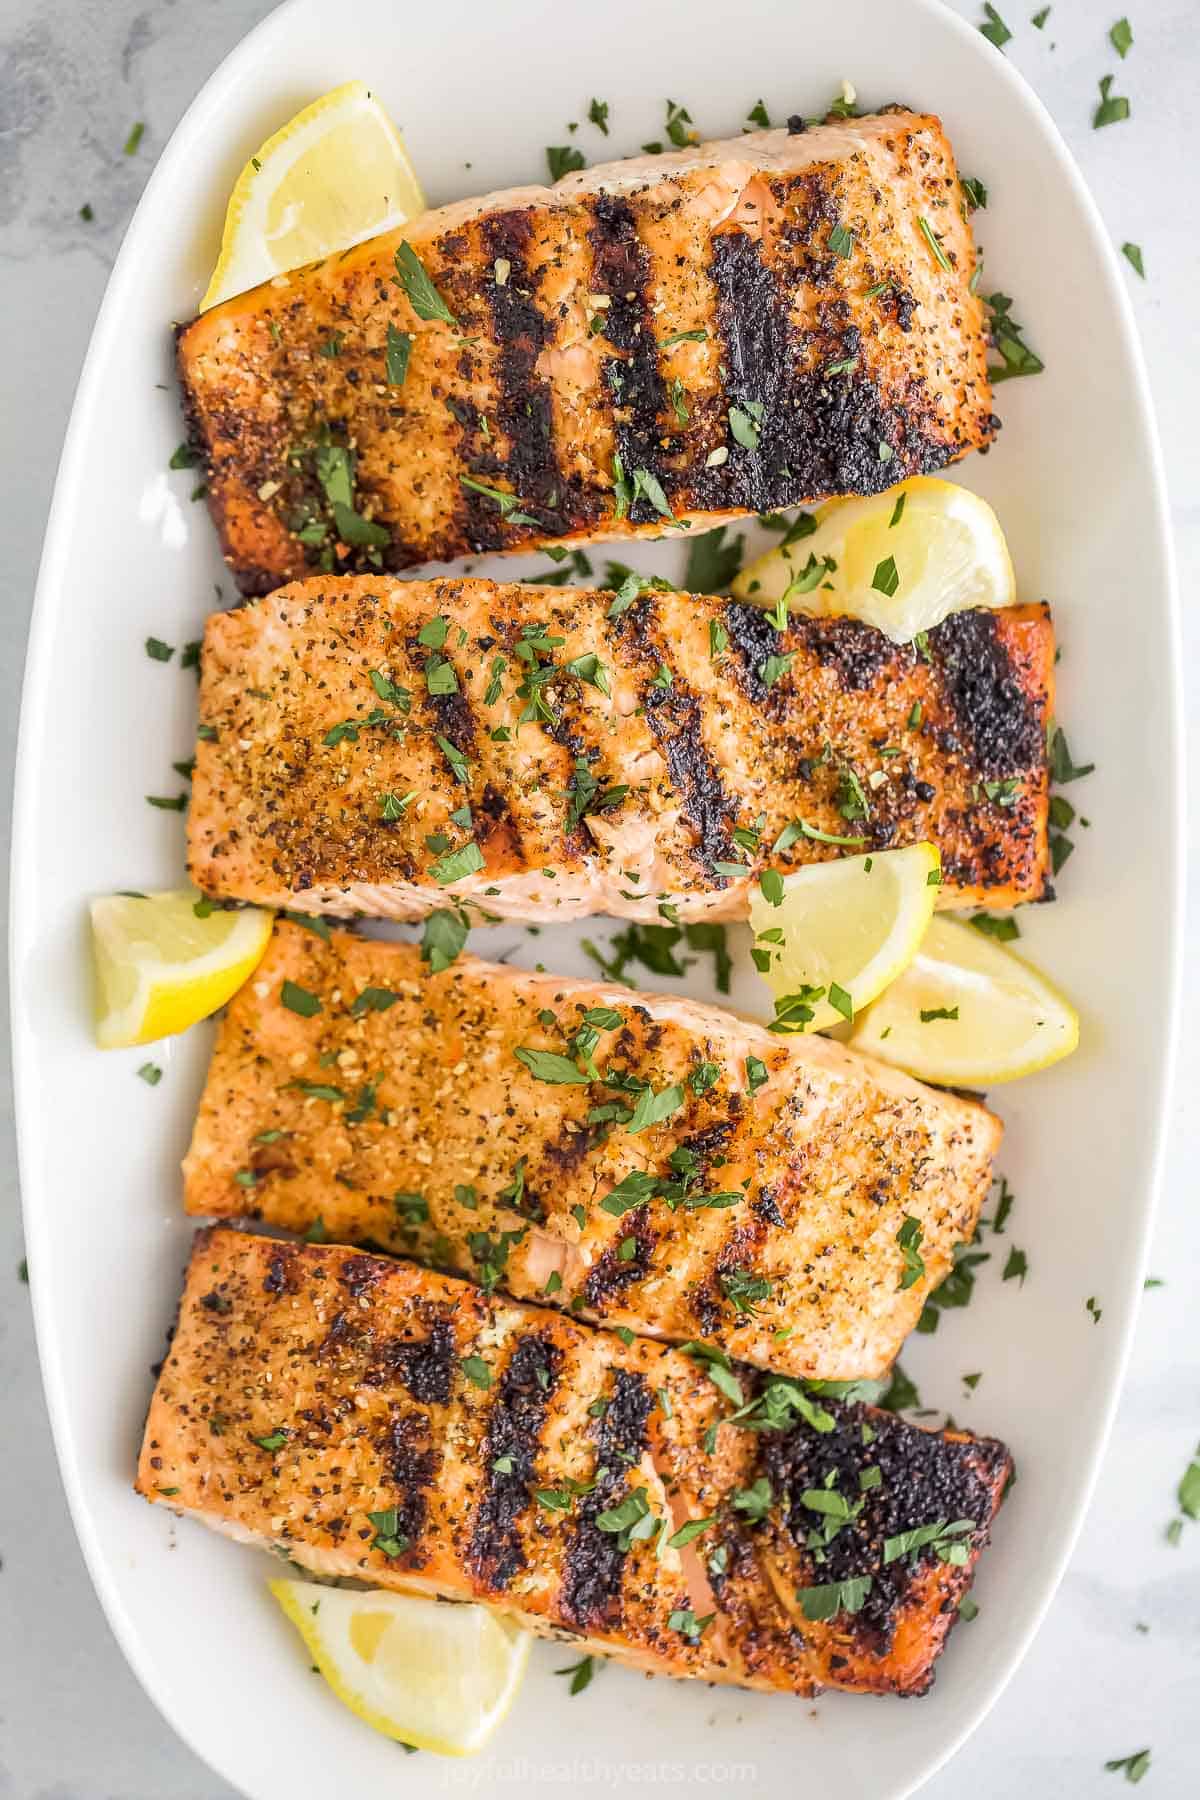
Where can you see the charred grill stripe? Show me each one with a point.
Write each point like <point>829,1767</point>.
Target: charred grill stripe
<point>817,435</point>
<point>524,408</point>
<point>991,707</point>
<point>515,1421</point>
<point>412,1464</point>
<point>426,1368</point>
<point>675,717</point>
<point>754,638</point>
<point>621,270</point>
<point>614,1272</point>
<point>591,1586</point>
<point>925,1476</point>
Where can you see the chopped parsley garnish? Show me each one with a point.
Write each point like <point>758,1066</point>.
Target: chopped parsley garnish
<point>423,296</point>
<point>399,349</point>
<point>442,937</point>
<point>712,563</point>
<point>651,1108</point>
<point>372,999</point>
<point>136,133</point>
<point>683,337</point>
<point>547,1065</point>
<point>298,1000</point>
<point>157,651</point>
<point>1006,335</point>
<point>1120,36</point>
<point>1002,927</point>
<point>583,1671</point>
<point>745,423</point>
<point>886,578</point>
<point>744,1289</point>
<point>1038,21</point>
<point>909,1239</point>
<point>477,1371</point>
<point>1017,1266</point>
<point>455,865</point>
<point>388,1536</point>
<point>167,802</point>
<point>930,1013</point>
<point>1133,256</point>
<point>561,159</point>
<point>841,241</point>
<point>684,1621</point>
<point>1133,1767</point>
<point>775,667</point>
<point>756,1073</point>
<point>994,29</point>
<point>275,1440</point>
<point>678,121</point>
<point>758,115</point>
<point>509,504</point>
<point>832,1597</point>
<point>1112,108</point>
<point>150,1073</point>
<point>755,1501</point>
<point>944,1539</point>
<point>974,191</point>
<point>598,114</point>
<point>935,243</point>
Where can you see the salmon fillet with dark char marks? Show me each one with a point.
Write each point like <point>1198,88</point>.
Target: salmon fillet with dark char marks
<point>306,1388</point>
<point>730,328</point>
<point>379,1104</point>
<point>606,762</point>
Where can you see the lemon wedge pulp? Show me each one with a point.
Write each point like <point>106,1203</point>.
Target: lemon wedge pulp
<point>436,1675</point>
<point>160,966</point>
<point>855,923</point>
<point>335,174</point>
<point>968,1013</point>
<point>902,561</point>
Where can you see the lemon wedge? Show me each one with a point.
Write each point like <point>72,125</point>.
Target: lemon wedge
<point>902,561</point>
<point>335,174</point>
<point>160,965</point>
<point>436,1675</point>
<point>968,1013</point>
<point>847,928</point>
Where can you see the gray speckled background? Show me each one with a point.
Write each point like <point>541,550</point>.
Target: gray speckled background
<point>73,1723</point>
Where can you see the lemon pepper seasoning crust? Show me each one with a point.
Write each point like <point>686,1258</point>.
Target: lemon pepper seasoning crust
<point>258,1429</point>
<point>574,754</point>
<point>460,1158</point>
<point>639,323</point>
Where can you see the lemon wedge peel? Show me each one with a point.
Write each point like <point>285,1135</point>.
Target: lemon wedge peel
<point>856,921</point>
<point>438,1676</point>
<point>160,967</point>
<point>1006,1020</point>
<point>334,175</point>
<point>901,561</point>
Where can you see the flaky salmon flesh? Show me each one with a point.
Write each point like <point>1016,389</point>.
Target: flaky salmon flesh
<point>378,747</point>
<point>369,1418</point>
<point>642,1159</point>
<point>672,340</point>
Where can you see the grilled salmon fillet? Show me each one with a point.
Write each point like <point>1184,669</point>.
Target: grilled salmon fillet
<point>711,1179</point>
<point>373,747</point>
<point>676,339</point>
<point>370,1418</point>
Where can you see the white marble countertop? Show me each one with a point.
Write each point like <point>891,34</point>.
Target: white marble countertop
<point>1116,1667</point>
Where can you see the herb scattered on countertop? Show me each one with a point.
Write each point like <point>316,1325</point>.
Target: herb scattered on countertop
<point>1112,108</point>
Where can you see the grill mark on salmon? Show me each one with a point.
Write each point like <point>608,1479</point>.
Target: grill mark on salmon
<point>595,1562</point>
<point>621,271</point>
<point>848,1149</point>
<point>729,238</point>
<point>525,411</point>
<point>425,1368</point>
<point>515,1423</point>
<point>254,1371</point>
<point>987,698</point>
<point>290,779</point>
